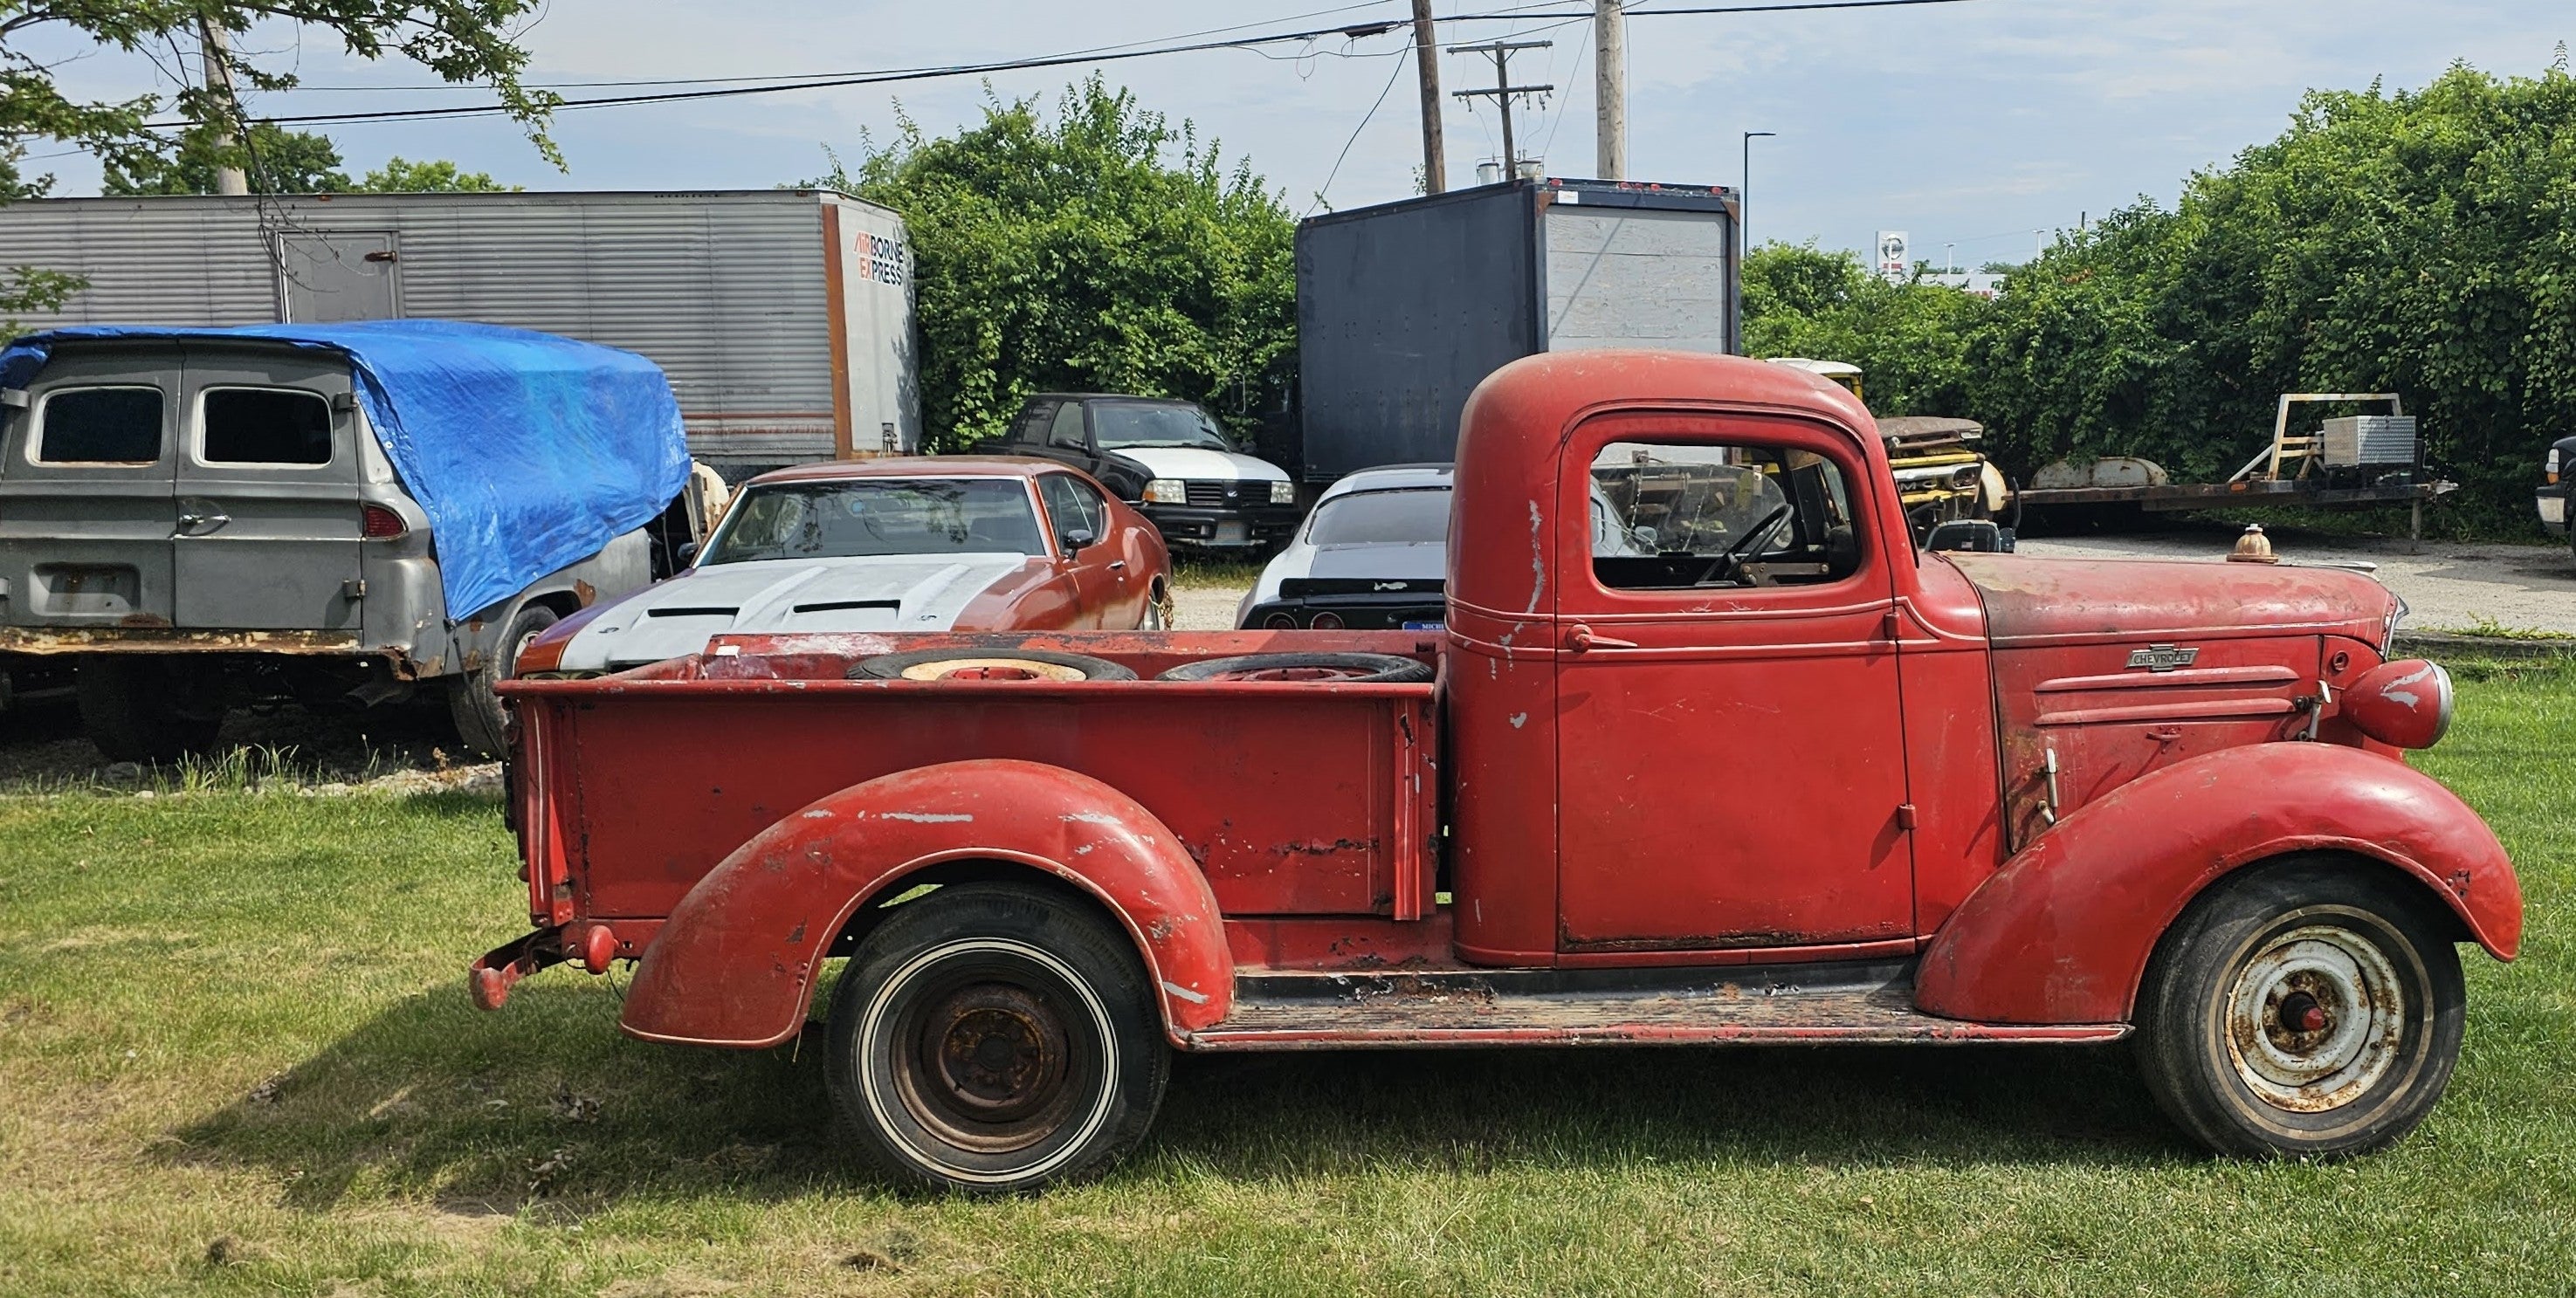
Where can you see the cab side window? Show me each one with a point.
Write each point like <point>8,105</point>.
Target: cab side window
<point>1068,434</point>
<point>1671,516</point>
<point>265,426</point>
<point>99,426</point>
<point>1072,509</point>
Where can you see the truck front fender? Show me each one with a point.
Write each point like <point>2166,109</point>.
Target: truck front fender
<point>735,964</point>
<point>2062,933</point>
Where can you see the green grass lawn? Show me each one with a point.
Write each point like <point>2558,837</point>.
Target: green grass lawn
<point>237,1056</point>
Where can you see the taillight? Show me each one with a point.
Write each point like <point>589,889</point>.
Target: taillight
<point>378,523</point>
<point>1327,622</point>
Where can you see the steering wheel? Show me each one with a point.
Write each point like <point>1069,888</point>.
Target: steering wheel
<point>1733,555</point>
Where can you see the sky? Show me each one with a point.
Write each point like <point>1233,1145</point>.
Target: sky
<point>1975,126</point>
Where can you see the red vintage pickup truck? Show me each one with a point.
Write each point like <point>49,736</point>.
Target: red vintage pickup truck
<point>1707,752</point>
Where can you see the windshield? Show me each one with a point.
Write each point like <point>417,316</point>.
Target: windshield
<point>841,520</point>
<point>1409,517</point>
<point>1118,425</point>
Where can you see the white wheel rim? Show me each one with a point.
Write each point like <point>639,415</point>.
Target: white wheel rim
<point>2315,1019</point>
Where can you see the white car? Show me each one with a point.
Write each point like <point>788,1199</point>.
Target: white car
<point>1373,555</point>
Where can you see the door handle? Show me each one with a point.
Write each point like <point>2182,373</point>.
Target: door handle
<point>1118,565</point>
<point>197,522</point>
<point>1579,639</point>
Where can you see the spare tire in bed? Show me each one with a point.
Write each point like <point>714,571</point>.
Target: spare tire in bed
<point>988,665</point>
<point>1327,668</point>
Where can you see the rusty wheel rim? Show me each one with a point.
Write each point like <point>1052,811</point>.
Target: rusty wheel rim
<point>1327,673</point>
<point>985,1057</point>
<point>2315,1019</point>
<point>993,669</point>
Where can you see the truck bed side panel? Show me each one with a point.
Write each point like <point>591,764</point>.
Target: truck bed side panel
<point>1297,802</point>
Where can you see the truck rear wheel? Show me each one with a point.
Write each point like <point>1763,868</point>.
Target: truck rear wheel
<point>144,709</point>
<point>481,720</point>
<point>995,1038</point>
<point>2304,1009</point>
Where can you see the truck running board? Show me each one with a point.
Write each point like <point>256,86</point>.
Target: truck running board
<point>1738,1004</point>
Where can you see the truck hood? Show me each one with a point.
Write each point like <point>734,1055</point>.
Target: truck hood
<point>2036,601</point>
<point>882,593</point>
<point>1191,463</point>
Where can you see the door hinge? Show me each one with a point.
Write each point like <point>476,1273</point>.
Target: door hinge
<point>1905,815</point>
<point>354,588</point>
<point>1892,626</point>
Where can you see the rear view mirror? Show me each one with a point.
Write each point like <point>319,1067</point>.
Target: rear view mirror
<point>1079,538</point>
<point>1971,535</point>
<point>687,553</point>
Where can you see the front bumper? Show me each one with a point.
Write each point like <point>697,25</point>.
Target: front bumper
<point>1222,526</point>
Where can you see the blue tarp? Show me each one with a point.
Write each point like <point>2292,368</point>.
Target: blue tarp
<point>529,452</point>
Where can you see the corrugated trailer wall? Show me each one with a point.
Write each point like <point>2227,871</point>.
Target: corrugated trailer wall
<point>729,293</point>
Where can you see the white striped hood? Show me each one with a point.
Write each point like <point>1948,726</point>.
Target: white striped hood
<point>874,593</point>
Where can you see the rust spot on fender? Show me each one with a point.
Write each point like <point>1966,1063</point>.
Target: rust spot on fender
<point>585,592</point>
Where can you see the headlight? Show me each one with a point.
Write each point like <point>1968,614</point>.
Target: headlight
<point>2404,704</point>
<point>1283,493</point>
<point>1167,491</point>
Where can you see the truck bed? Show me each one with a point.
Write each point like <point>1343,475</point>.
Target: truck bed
<point>1295,798</point>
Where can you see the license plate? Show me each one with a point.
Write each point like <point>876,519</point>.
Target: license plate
<point>2553,509</point>
<point>1426,626</point>
<point>1233,533</point>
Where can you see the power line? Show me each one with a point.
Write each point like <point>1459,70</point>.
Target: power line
<point>1327,186</point>
<point>1353,31</point>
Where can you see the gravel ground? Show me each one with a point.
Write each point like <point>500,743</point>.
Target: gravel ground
<point>410,750</point>
<point>2452,585</point>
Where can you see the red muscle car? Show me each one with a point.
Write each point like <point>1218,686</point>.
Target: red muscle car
<point>956,543</point>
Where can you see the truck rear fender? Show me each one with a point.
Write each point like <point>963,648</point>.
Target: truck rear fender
<point>2063,932</point>
<point>735,964</point>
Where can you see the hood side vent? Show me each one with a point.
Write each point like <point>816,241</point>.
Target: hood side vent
<point>840,605</point>
<point>691,612</point>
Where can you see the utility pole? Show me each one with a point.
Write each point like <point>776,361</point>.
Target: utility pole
<point>214,54</point>
<point>1426,63</point>
<point>1610,90</point>
<point>1501,53</point>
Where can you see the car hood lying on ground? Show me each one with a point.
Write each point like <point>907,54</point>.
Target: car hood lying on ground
<point>877,593</point>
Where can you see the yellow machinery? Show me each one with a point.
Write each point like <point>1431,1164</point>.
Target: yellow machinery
<point>1940,474</point>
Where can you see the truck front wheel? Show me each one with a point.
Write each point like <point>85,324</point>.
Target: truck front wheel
<point>2307,1008</point>
<point>995,1038</point>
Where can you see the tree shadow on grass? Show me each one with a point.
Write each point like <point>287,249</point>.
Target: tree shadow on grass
<point>545,1102</point>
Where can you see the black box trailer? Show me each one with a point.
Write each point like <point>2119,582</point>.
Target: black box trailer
<point>1404,307</point>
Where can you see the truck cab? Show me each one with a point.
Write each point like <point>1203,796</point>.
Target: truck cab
<point>1711,753</point>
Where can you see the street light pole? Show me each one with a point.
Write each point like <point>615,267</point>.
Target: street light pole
<point>1744,191</point>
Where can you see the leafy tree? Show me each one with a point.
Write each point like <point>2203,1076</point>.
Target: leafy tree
<point>1103,250</point>
<point>278,161</point>
<point>460,40</point>
<point>401,176</point>
<point>2416,242</point>
<point>1910,340</point>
